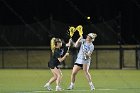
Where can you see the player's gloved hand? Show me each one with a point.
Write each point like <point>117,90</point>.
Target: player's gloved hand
<point>70,40</point>
<point>81,37</point>
<point>68,44</point>
<point>67,54</point>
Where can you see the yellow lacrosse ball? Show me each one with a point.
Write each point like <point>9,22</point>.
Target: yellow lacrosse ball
<point>88,17</point>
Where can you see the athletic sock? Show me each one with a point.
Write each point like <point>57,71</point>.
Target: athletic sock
<point>72,84</point>
<point>91,84</point>
<point>47,84</point>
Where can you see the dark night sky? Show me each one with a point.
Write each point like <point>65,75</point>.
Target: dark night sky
<point>67,11</point>
<point>19,12</point>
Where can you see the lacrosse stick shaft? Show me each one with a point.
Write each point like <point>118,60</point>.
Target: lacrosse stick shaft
<point>69,45</point>
<point>68,49</point>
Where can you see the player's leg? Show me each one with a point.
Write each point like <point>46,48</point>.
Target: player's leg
<point>88,76</point>
<point>75,70</point>
<point>53,78</point>
<point>61,75</point>
<point>47,85</point>
<point>58,80</point>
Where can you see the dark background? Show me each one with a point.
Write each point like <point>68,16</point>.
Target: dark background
<point>35,22</point>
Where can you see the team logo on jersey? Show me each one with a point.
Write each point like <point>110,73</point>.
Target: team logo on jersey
<point>86,47</point>
<point>61,52</point>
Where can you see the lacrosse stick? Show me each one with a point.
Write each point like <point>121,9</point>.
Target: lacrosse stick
<point>80,30</point>
<point>71,32</point>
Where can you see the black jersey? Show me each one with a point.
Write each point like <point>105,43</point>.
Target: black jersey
<point>54,62</point>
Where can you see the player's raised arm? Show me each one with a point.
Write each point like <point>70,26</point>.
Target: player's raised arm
<point>78,42</point>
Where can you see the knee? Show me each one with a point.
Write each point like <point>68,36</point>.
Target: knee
<point>55,77</point>
<point>74,73</point>
<point>59,76</point>
<point>85,71</point>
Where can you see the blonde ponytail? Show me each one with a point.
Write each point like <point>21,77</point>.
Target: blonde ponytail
<point>52,43</point>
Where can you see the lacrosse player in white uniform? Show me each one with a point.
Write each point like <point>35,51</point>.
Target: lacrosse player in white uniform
<point>83,59</point>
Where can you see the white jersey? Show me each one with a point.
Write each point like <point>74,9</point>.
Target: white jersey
<point>84,48</point>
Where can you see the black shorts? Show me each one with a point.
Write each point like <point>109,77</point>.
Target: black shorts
<point>52,66</point>
<point>80,65</point>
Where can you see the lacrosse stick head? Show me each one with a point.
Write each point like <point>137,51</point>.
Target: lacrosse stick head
<point>79,28</point>
<point>72,30</point>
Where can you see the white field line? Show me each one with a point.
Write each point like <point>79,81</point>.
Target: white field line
<point>43,91</point>
<point>76,90</point>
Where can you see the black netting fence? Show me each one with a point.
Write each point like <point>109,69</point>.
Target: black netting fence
<point>102,58</point>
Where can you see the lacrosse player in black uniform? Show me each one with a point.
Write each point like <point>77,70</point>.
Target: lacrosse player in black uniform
<point>55,60</point>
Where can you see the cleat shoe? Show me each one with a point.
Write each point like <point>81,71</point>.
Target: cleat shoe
<point>58,88</point>
<point>70,87</point>
<point>92,87</point>
<point>48,87</point>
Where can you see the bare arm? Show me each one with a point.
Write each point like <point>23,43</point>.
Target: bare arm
<point>77,42</point>
<point>63,58</point>
<point>69,43</point>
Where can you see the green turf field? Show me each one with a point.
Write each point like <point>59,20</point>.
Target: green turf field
<point>106,81</point>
